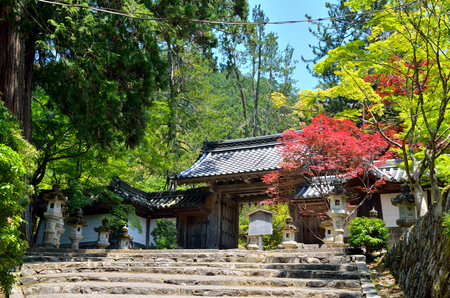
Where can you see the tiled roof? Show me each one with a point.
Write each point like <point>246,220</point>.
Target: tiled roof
<point>237,156</point>
<point>257,154</point>
<point>310,192</point>
<point>158,200</point>
<point>391,171</point>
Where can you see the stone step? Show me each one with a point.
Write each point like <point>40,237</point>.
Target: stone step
<point>162,290</point>
<point>177,253</point>
<point>124,268</point>
<point>185,257</point>
<point>275,266</point>
<point>189,280</point>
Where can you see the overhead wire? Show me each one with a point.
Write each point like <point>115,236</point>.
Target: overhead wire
<point>132,15</point>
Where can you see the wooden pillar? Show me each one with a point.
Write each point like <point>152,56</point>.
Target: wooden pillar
<point>147,234</point>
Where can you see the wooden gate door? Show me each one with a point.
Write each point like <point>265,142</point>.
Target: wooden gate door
<point>196,232</point>
<point>311,229</point>
<point>229,225</point>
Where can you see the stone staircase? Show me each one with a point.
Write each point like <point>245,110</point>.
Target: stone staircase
<point>186,273</point>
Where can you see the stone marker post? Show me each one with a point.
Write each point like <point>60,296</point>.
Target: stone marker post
<point>259,224</point>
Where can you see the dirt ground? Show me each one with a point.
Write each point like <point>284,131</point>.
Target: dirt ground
<point>383,280</point>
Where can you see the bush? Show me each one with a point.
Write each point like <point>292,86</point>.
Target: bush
<point>446,224</point>
<point>165,234</point>
<point>16,156</point>
<point>369,234</point>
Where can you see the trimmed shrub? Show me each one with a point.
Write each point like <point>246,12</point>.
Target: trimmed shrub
<point>369,234</point>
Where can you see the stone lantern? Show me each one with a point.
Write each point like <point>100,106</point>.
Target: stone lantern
<point>289,231</point>
<point>406,207</point>
<point>338,210</point>
<point>327,225</point>
<point>103,234</point>
<point>60,226</point>
<point>53,214</point>
<point>77,224</point>
<point>124,238</point>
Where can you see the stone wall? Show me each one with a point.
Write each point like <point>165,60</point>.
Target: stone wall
<point>420,261</point>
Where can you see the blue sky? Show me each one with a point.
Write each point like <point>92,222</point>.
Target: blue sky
<point>297,35</point>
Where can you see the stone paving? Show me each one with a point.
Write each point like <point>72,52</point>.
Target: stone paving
<point>187,273</point>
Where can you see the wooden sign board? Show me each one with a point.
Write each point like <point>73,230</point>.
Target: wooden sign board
<point>260,222</point>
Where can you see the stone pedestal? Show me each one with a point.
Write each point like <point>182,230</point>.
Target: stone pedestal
<point>406,207</point>
<point>103,234</point>
<point>338,212</point>
<point>327,225</point>
<point>253,242</point>
<point>77,224</point>
<point>60,226</point>
<point>289,231</point>
<point>124,238</point>
<point>53,216</point>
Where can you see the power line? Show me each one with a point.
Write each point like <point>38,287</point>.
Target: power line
<point>151,18</point>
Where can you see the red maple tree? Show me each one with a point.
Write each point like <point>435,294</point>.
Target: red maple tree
<point>325,149</point>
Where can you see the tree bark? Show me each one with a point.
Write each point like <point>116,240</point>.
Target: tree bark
<point>16,66</point>
<point>419,196</point>
<point>244,108</point>
<point>16,82</point>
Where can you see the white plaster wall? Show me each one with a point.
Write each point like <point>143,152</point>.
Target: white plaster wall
<point>88,232</point>
<point>139,238</point>
<point>153,225</point>
<point>390,212</point>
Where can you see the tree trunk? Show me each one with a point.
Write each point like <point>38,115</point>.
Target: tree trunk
<point>244,108</point>
<point>16,81</point>
<point>447,204</point>
<point>255,119</point>
<point>16,65</point>
<point>419,196</point>
<point>268,100</point>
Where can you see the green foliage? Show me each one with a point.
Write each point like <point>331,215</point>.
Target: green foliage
<point>370,234</point>
<point>165,234</point>
<point>16,155</point>
<point>400,78</point>
<point>330,36</point>
<point>446,224</point>
<point>121,213</point>
<point>278,220</point>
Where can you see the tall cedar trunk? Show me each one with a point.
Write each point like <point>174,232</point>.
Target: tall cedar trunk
<point>16,65</point>
<point>244,108</point>
<point>268,100</point>
<point>16,80</point>
<point>255,119</point>
<point>172,98</point>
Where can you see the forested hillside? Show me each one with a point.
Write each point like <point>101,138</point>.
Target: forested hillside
<point>132,89</point>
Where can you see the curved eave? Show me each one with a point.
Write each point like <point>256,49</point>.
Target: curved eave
<point>216,178</point>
